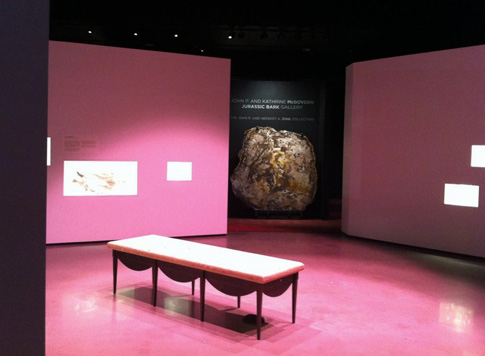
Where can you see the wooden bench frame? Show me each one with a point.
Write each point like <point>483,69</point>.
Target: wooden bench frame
<point>227,284</point>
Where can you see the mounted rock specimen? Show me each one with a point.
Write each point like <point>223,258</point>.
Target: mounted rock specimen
<point>276,171</point>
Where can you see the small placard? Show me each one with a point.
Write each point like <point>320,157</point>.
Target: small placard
<point>76,143</point>
<point>179,171</point>
<point>462,195</point>
<point>478,156</point>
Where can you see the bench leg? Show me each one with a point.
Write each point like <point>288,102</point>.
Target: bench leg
<point>239,301</point>
<point>193,287</point>
<point>259,303</point>
<point>115,271</point>
<point>295,289</point>
<point>154,282</point>
<point>202,296</point>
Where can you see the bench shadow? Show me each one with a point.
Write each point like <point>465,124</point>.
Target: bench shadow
<point>188,305</point>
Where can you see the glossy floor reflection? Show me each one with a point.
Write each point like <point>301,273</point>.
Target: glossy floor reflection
<point>355,297</point>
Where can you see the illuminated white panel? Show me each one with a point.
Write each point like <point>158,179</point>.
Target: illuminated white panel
<point>478,156</point>
<point>48,151</point>
<point>179,171</point>
<point>83,178</point>
<point>461,195</point>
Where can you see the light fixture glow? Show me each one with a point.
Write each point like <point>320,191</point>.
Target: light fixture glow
<point>478,156</point>
<point>457,316</point>
<point>461,195</point>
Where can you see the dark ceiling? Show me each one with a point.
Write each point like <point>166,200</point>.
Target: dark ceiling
<point>277,38</point>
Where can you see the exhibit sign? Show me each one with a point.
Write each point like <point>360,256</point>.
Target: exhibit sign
<point>88,178</point>
<point>276,135</point>
<point>283,105</point>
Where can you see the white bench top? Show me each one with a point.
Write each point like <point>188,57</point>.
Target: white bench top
<point>233,263</point>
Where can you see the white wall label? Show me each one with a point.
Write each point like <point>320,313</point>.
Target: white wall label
<point>478,156</point>
<point>461,195</point>
<point>179,171</point>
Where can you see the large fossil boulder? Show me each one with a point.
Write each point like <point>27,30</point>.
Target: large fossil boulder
<point>276,170</point>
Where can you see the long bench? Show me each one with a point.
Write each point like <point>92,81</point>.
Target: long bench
<point>233,272</point>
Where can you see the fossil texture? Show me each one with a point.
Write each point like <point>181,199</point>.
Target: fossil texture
<point>276,170</point>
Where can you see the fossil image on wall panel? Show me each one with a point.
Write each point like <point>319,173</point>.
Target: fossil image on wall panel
<point>276,170</point>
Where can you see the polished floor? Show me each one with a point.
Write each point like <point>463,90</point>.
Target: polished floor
<point>355,297</point>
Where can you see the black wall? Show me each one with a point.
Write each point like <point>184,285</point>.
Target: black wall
<point>307,67</point>
<point>23,126</point>
<point>299,107</point>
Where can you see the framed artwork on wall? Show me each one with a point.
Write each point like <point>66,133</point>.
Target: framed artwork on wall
<point>88,178</point>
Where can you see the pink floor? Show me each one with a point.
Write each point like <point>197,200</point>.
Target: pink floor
<point>355,297</point>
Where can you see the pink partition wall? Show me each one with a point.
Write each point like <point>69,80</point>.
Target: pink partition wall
<point>143,106</point>
<point>410,124</point>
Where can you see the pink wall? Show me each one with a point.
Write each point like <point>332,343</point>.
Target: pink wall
<point>143,106</point>
<point>409,127</point>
